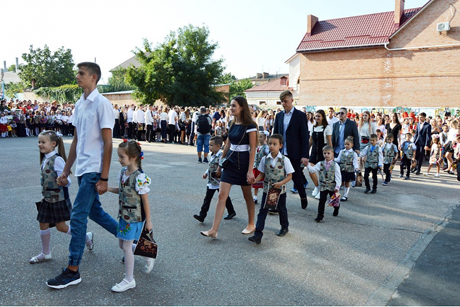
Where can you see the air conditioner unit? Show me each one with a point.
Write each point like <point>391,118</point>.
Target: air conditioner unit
<point>443,26</point>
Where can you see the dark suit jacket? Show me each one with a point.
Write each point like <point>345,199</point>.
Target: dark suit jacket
<point>351,129</point>
<point>297,137</point>
<point>422,136</point>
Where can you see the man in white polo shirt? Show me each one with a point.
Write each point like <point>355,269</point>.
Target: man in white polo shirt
<point>91,148</point>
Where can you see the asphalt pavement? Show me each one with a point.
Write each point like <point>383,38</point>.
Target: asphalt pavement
<point>397,247</point>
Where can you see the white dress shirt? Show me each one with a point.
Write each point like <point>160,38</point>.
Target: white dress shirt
<point>91,116</point>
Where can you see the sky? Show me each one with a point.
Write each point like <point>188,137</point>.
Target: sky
<point>252,35</point>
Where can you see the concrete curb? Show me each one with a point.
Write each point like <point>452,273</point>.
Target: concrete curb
<point>385,292</point>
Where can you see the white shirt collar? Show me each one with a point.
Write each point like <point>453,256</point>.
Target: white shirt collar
<point>50,154</point>
<point>279,155</point>
<point>91,96</point>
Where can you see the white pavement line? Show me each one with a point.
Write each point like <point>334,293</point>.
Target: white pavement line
<point>385,292</point>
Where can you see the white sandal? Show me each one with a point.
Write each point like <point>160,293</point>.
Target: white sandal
<point>40,258</point>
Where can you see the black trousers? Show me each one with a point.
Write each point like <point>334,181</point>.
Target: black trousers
<point>172,130</point>
<point>322,201</point>
<point>420,156</point>
<point>367,171</point>
<point>140,131</point>
<point>297,178</point>
<point>116,129</point>
<point>405,162</point>
<point>260,225</point>
<point>130,130</point>
<point>386,170</point>
<point>207,203</point>
<point>192,134</point>
<point>150,135</point>
<point>163,126</point>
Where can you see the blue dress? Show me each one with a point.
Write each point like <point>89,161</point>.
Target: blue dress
<point>237,170</point>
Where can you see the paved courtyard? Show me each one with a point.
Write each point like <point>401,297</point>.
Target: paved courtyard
<point>357,258</point>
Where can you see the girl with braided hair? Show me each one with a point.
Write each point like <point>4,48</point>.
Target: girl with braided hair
<point>134,208</point>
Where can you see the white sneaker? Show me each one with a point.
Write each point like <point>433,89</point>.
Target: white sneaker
<point>317,196</point>
<point>149,265</point>
<point>426,174</point>
<point>315,191</point>
<point>436,175</point>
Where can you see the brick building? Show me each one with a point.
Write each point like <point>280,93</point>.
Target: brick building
<point>390,59</point>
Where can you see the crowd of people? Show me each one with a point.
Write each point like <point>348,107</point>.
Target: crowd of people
<point>250,148</point>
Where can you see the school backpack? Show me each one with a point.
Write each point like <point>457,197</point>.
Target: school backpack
<point>202,124</point>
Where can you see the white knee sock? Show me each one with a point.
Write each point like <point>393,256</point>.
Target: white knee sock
<point>129,260</point>
<point>346,191</point>
<point>46,239</point>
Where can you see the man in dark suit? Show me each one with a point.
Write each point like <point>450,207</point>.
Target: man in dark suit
<point>343,129</point>
<point>292,125</point>
<point>422,140</point>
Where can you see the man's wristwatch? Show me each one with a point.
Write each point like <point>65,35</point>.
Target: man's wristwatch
<point>104,179</point>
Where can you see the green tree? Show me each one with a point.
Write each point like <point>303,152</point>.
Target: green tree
<point>11,89</point>
<point>237,88</point>
<point>12,68</point>
<point>49,69</point>
<point>117,82</point>
<point>65,93</point>
<point>178,71</point>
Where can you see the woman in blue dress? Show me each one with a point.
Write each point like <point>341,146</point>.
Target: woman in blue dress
<point>240,151</point>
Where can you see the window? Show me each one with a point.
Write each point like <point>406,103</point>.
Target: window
<point>262,103</point>
<point>278,102</point>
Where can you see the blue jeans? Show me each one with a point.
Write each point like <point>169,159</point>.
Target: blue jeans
<point>202,140</point>
<point>87,204</point>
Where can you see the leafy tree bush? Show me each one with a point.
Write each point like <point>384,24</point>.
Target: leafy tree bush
<point>180,70</point>
<point>49,69</point>
<point>65,93</point>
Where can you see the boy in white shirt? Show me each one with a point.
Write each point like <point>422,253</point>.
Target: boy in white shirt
<point>91,148</point>
<point>215,143</point>
<point>275,170</point>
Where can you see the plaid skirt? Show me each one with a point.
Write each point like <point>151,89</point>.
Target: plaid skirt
<point>54,212</point>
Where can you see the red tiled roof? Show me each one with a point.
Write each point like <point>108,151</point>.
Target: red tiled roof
<point>356,31</point>
<point>274,85</point>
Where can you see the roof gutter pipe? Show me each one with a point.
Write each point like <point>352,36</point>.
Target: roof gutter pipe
<point>422,47</point>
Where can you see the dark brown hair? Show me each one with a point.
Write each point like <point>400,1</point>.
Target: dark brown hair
<point>92,68</point>
<point>217,140</point>
<point>277,137</point>
<point>246,117</point>
<point>323,114</point>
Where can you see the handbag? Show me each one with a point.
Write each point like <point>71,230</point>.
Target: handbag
<point>146,245</point>
<point>223,162</point>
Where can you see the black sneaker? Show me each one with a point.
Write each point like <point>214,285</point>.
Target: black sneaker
<point>199,160</point>
<point>255,239</point>
<point>66,278</point>
<point>367,190</point>
<point>205,160</point>
<point>374,191</point>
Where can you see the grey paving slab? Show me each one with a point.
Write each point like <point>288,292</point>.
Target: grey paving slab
<point>346,260</point>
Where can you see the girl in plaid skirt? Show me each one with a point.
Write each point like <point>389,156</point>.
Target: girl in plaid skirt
<point>54,209</point>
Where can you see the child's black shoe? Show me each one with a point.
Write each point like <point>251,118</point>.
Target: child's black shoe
<point>319,218</point>
<point>336,211</point>
<point>255,239</point>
